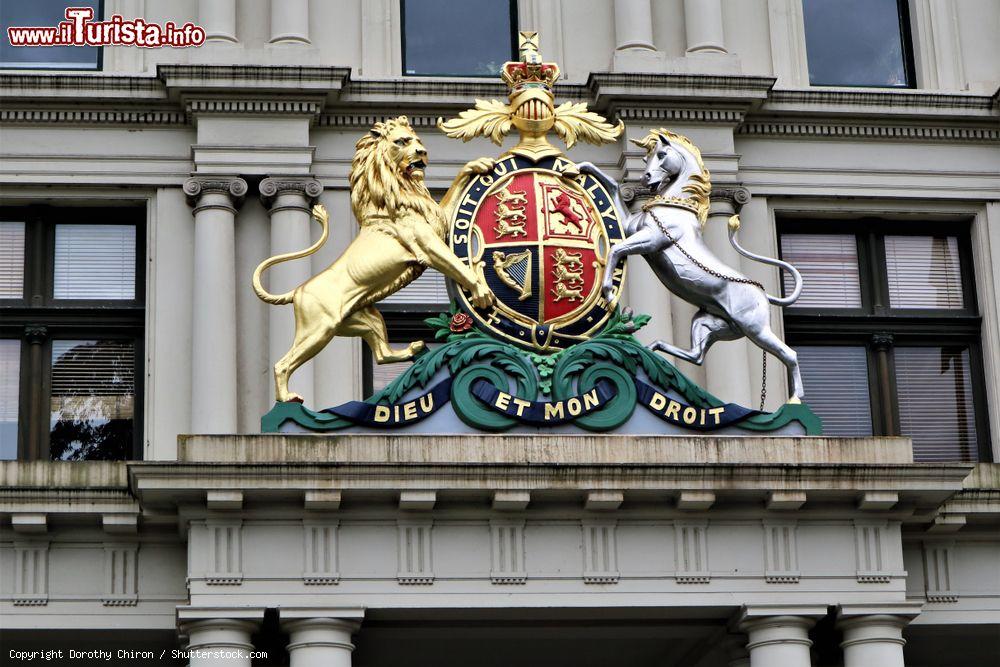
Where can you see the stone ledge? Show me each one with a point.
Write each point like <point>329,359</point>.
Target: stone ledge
<point>535,449</point>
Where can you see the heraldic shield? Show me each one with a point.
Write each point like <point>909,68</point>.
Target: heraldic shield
<point>532,252</point>
<point>540,234</point>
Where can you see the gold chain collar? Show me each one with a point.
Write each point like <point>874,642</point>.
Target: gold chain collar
<point>686,203</point>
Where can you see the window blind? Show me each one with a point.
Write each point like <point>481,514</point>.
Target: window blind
<point>923,272</point>
<point>11,260</point>
<point>936,405</point>
<point>93,399</point>
<point>836,383</point>
<point>829,267</point>
<point>383,374</point>
<point>429,289</point>
<point>10,374</point>
<point>94,262</point>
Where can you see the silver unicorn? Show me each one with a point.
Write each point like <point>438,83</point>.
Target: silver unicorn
<point>668,233</point>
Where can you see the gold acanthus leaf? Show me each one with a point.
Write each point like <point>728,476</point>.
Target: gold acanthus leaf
<point>574,123</point>
<point>491,119</point>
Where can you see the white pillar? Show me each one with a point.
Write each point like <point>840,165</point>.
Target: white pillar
<point>873,640</point>
<point>703,26</point>
<point>778,641</point>
<point>634,48</point>
<point>213,334</point>
<point>218,18</point>
<point>320,642</point>
<point>289,201</point>
<point>290,22</point>
<point>221,642</point>
<point>727,366</point>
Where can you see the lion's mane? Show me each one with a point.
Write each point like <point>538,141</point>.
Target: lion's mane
<point>377,186</point>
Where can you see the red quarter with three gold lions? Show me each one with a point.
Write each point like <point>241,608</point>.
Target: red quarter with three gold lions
<point>541,239</point>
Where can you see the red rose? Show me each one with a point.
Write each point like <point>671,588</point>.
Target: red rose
<point>460,322</point>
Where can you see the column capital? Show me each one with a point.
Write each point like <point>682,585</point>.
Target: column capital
<point>903,612</point>
<point>728,199</point>
<point>197,188</point>
<point>272,187</point>
<point>36,335</point>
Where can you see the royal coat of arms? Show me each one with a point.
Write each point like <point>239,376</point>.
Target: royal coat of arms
<point>532,246</point>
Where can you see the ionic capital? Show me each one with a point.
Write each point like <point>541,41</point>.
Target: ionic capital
<point>728,200</point>
<point>307,189</point>
<point>199,189</point>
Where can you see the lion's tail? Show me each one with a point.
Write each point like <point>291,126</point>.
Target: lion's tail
<point>319,212</point>
<point>734,225</point>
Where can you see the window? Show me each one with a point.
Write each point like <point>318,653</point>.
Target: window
<point>71,322</point>
<point>468,38</point>
<point>45,14</point>
<point>404,313</point>
<point>858,43</point>
<point>887,332</point>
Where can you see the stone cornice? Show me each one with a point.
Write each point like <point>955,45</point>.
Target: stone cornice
<point>176,92</point>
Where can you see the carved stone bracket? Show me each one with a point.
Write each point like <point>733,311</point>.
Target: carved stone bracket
<point>271,188</point>
<point>198,187</point>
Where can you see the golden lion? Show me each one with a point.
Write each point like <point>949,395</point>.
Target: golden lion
<point>402,232</point>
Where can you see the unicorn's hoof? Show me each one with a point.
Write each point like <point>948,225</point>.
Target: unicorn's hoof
<point>795,400</point>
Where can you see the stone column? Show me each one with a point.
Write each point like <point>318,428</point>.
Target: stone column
<point>320,642</point>
<point>289,22</point>
<point>778,641</point>
<point>219,642</point>
<point>703,26</point>
<point>875,639</point>
<point>218,18</point>
<point>289,200</point>
<point>727,366</point>
<point>213,335</point>
<point>634,49</point>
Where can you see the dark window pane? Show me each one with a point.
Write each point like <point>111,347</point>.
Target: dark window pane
<point>854,43</point>
<point>936,406</point>
<point>923,272</point>
<point>93,399</point>
<point>94,262</point>
<point>44,13</point>
<point>829,267</point>
<point>10,375</point>
<point>468,38</point>
<point>836,382</point>
<point>11,260</point>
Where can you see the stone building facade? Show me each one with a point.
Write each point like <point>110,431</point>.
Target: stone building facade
<point>879,541</point>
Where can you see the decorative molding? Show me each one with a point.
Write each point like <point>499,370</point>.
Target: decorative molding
<point>600,551</point>
<point>121,576</point>
<point>896,99</point>
<point>322,553</point>
<point>273,187</point>
<point>801,128</point>
<point>507,551</point>
<point>871,543</point>
<point>31,573</point>
<point>938,567</point>
<point>365,119</point>
<point>781,553</point>
<point>262,107</point>
<point>233,187</point>
<point>414,551</point>
<point>691,552</point>
<point>225,552</point>
<point>654,115</point>
<point>93,116</point>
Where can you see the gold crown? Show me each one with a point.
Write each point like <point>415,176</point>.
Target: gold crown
<point>529,70</point>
